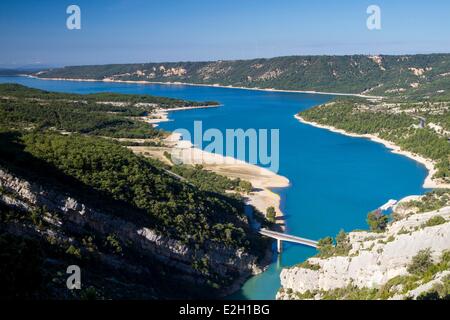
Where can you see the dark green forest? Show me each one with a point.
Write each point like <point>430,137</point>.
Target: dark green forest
<point>87,114</point>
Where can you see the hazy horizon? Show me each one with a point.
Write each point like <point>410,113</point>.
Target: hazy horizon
<point>118,31</point>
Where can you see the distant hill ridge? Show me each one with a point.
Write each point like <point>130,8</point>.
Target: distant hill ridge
<point>408,76</point>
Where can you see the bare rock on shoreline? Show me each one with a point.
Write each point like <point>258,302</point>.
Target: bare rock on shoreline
<point>374,259</point>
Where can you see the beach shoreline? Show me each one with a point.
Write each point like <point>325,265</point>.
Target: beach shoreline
<point>429,164</point>
<point>107,80</point>
<point>262,179</point>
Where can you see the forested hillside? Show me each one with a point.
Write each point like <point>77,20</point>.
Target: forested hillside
<point>409,76</point>
<point>69,195</point>
<point>419,127</point>
<point>103,114</point>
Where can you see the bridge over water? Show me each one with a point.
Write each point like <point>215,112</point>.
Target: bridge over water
<point>280,237</point>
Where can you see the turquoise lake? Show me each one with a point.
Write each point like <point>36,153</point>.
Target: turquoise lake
<point>335,180</point>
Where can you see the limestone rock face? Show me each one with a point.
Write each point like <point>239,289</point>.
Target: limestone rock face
<point>75,215</point>
<point>374,258</point>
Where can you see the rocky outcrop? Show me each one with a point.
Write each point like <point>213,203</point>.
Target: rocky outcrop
<point>66,213</point>
<point>373,260</point>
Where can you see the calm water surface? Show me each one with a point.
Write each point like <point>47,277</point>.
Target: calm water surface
<point>335,179</point>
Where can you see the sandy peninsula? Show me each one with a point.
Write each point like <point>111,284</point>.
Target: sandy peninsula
<point>184,152</point>
<point>162,115</point>
<point>428,163</point>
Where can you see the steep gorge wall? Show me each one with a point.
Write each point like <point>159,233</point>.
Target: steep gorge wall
<point>374,259</point>
<point>67,215</point>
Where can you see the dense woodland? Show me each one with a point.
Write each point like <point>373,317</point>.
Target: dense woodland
<point>23,92</point>
<point>87,114</point>
<point>208,180</point>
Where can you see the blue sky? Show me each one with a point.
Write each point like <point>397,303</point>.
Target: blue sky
<point>120,31</point>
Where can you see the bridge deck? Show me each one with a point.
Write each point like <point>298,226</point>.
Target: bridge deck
<point>287,237</point>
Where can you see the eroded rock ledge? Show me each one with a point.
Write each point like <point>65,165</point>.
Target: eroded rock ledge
<point>376,266</point>
<point>67,216</point>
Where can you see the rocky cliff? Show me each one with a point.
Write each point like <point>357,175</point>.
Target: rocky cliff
<point>152,264</point>
<point>408,260</point>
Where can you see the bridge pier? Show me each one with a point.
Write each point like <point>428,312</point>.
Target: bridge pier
<point>279,245</point>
